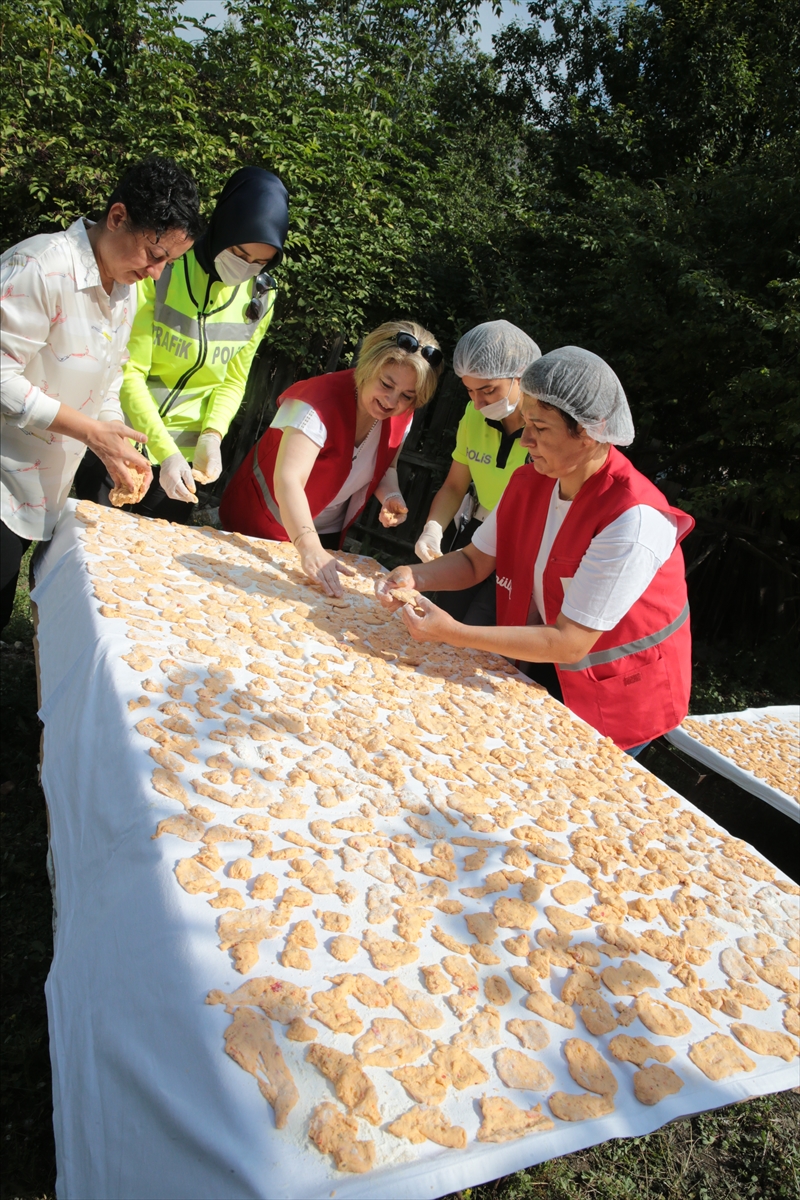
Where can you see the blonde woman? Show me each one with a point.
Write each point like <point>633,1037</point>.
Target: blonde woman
<point>334,443</point>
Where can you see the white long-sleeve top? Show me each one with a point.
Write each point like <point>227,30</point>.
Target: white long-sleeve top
<point>63,340</point>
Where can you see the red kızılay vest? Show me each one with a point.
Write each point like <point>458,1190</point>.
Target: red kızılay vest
<point>248,504</point>
<point>635,683</point>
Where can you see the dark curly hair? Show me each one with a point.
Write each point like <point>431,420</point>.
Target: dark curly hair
<point>159,195</point>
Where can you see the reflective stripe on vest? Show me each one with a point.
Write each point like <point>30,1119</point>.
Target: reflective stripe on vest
<point>187,437</point>
<point>187,325</point>
<point>617,652</point>
<point>258,475</point>
<point>182,323</point>
<point>160,391</point>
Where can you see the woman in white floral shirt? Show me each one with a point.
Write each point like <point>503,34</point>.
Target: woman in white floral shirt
<point>67,301</point>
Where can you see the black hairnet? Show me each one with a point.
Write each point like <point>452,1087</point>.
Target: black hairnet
<point>252,207</point>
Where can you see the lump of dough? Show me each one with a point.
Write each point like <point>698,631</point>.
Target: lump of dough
<point>390,1043</point>
<point>426,1085</point>
<point>299,1031</point>
<point>280,1000</point>
<point>333,1010</point>
<point>386,954</point>
<point>654,1083</point>
<point>435,979</point>
<point>241,933</point>
<point>718,1057</point>
<point>463,1068</point>
<point>352,1085</point>
<point>482,926</point>
<point>584,1107</point>
<point>766,1041</point>
<point>481,1030</point>
<point>344,947</point>
<point>416,1007</point>
<point>250,1042</point>
<point>637,1050</point>
<point>517,1070</point>
<point>336,1134</point>
<point>195,878</point>
<point>424,1123</point>
<point>240,868</point>
<point>496,990</point>
<point>588,1068</point>
<point>531,1034</point>
<point>513,914</point>
<point>503,1121</point>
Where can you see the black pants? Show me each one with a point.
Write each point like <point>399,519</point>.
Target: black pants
<point>546,675</point>
<point>474,605</point>
<point>12,548</point>
<point>92,482</point>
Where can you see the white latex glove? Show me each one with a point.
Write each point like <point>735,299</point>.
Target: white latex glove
<point>429,544</point>
<point>176,478</point>
<point>207,465</point>
<point>394,510</point>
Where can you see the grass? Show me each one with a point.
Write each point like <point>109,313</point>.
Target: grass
<point>745,1151</point>
<point>27,941</point>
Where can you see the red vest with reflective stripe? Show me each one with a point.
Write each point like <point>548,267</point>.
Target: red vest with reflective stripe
<point>248,503</point>
<point>634,684</point>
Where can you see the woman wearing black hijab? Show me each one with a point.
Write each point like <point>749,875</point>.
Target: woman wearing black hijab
<point>193,339</point>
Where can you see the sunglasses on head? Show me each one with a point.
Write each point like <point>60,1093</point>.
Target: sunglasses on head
<point>432,354</point>
<point>262,284</point>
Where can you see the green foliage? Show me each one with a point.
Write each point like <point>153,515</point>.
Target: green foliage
<point>623,177</point>
<point>339,102</point>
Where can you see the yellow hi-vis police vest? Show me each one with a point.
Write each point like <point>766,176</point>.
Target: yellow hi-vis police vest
<point>191,348</point>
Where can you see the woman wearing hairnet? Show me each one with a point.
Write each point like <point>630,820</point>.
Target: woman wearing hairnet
<point>591,593</point>
<point>192,343</point>
<point>489,360</point>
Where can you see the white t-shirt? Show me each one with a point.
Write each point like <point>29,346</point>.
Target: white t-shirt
<point>296,414</point>
<point>617,568</point>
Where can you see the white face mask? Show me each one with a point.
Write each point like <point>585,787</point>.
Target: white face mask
<point>232,269</point>
<point>500,408</point>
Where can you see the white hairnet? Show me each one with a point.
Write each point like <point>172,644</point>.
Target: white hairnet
<point>581,384</point>
<point>494,350</point>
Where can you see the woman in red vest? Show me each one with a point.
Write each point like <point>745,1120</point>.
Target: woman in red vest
<point>334,442</point>
<point>591,589</point>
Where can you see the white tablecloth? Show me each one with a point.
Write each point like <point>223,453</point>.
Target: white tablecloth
<point>146,1102</point>
<point>684,739</point>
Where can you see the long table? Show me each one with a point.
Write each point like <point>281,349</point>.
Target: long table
<point>407,791</point>
<point>757,748</point>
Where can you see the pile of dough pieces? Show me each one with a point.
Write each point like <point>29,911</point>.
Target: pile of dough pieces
<point>511,890</point>
<point>767,747</point>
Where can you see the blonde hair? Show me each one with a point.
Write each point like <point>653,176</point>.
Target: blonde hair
<point>380,347</point>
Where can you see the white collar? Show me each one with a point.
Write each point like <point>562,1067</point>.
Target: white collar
<point>85,268</point>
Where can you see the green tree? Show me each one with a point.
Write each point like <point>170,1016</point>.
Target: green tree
<point>620,177</point>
